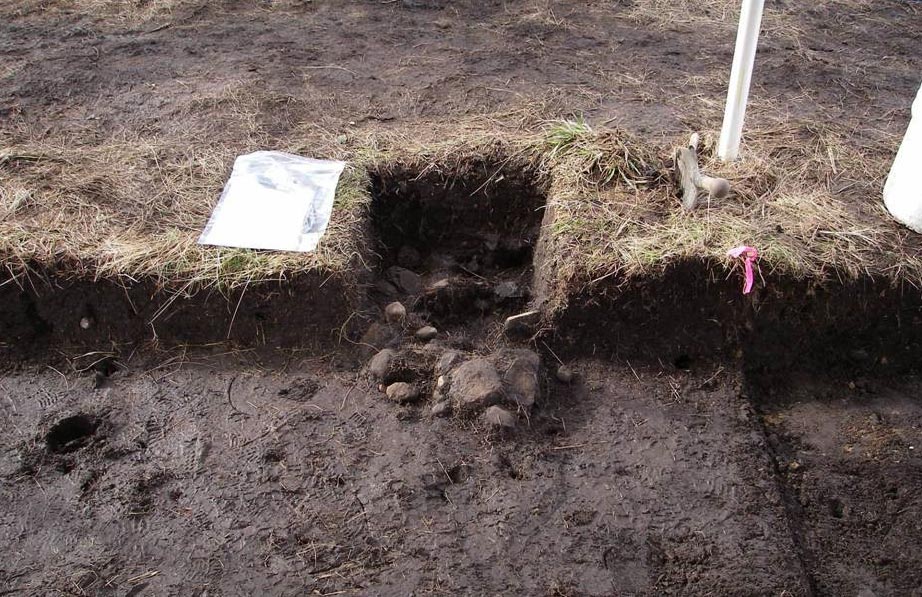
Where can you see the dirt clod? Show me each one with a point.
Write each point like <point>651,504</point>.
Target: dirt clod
<point>475,385</point>
<point>509,289</point>
<point>408,257</point>
<point>522,380</point>
<point>405,280</point>
<point>564,374</point>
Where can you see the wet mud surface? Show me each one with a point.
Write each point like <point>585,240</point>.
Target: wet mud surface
<point>847,456</point>
<point>224,478</point>
<point>466,461</point>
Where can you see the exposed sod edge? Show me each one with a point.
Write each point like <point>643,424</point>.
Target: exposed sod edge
<point>130,212</point>
<point>809,201</point>
<point>692,312</point>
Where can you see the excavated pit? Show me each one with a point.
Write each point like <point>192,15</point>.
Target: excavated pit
<point>457,244</point>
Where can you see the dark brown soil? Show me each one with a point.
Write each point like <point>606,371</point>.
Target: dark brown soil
<point>307,312</point>
<point>688,313</point>
<point>688,458</point>
<point>222,477</point>
<point>360,64</point>
<point>847,455</point>
<point>225,476</point>
<point>196,473</point>
<point>677,463</point>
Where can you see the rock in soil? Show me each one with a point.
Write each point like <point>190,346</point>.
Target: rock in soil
<point>405,280</point>
<point>564,374</point>
<point>475,385</point>
<point>380,364</point>
<point>395,313</point>
<point>379,336</point>
<point>499,418</point>
<point>522,379</point>
<point>426,333</point>
<point>441,409</point>
<point>448,361</point>
<point>402,392</point>
<point>523,323</point>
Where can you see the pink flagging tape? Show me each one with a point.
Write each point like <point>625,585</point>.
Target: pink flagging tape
<point>749,255</point>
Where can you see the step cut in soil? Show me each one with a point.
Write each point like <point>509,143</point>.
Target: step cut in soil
<point>458,243</point>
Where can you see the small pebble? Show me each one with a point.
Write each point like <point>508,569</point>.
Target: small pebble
<point>402,392</point>
<point>86,323</point>
<point>564,374</point>
<point>395,312</point>
<point>426,333</point>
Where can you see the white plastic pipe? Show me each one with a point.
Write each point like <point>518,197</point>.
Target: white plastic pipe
<point>747,38</point>
<point>903,189</point>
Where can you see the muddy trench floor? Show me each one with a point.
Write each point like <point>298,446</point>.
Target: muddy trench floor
<point>220,474</point>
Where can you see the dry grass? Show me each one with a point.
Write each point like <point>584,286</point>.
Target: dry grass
<point>715,19</point>
<point>133,209</point>
<point>718,19</point>
<point>134,12</point>
<point>804,195</point>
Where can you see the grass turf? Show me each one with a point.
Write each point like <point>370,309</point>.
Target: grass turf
<point>133,208</point>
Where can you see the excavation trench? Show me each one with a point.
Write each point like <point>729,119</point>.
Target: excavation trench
<point>708,441</point>
<point>458,246</point>
<point>464,245</point>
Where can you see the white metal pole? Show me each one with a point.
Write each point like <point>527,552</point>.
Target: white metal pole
<point>747,38</point>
